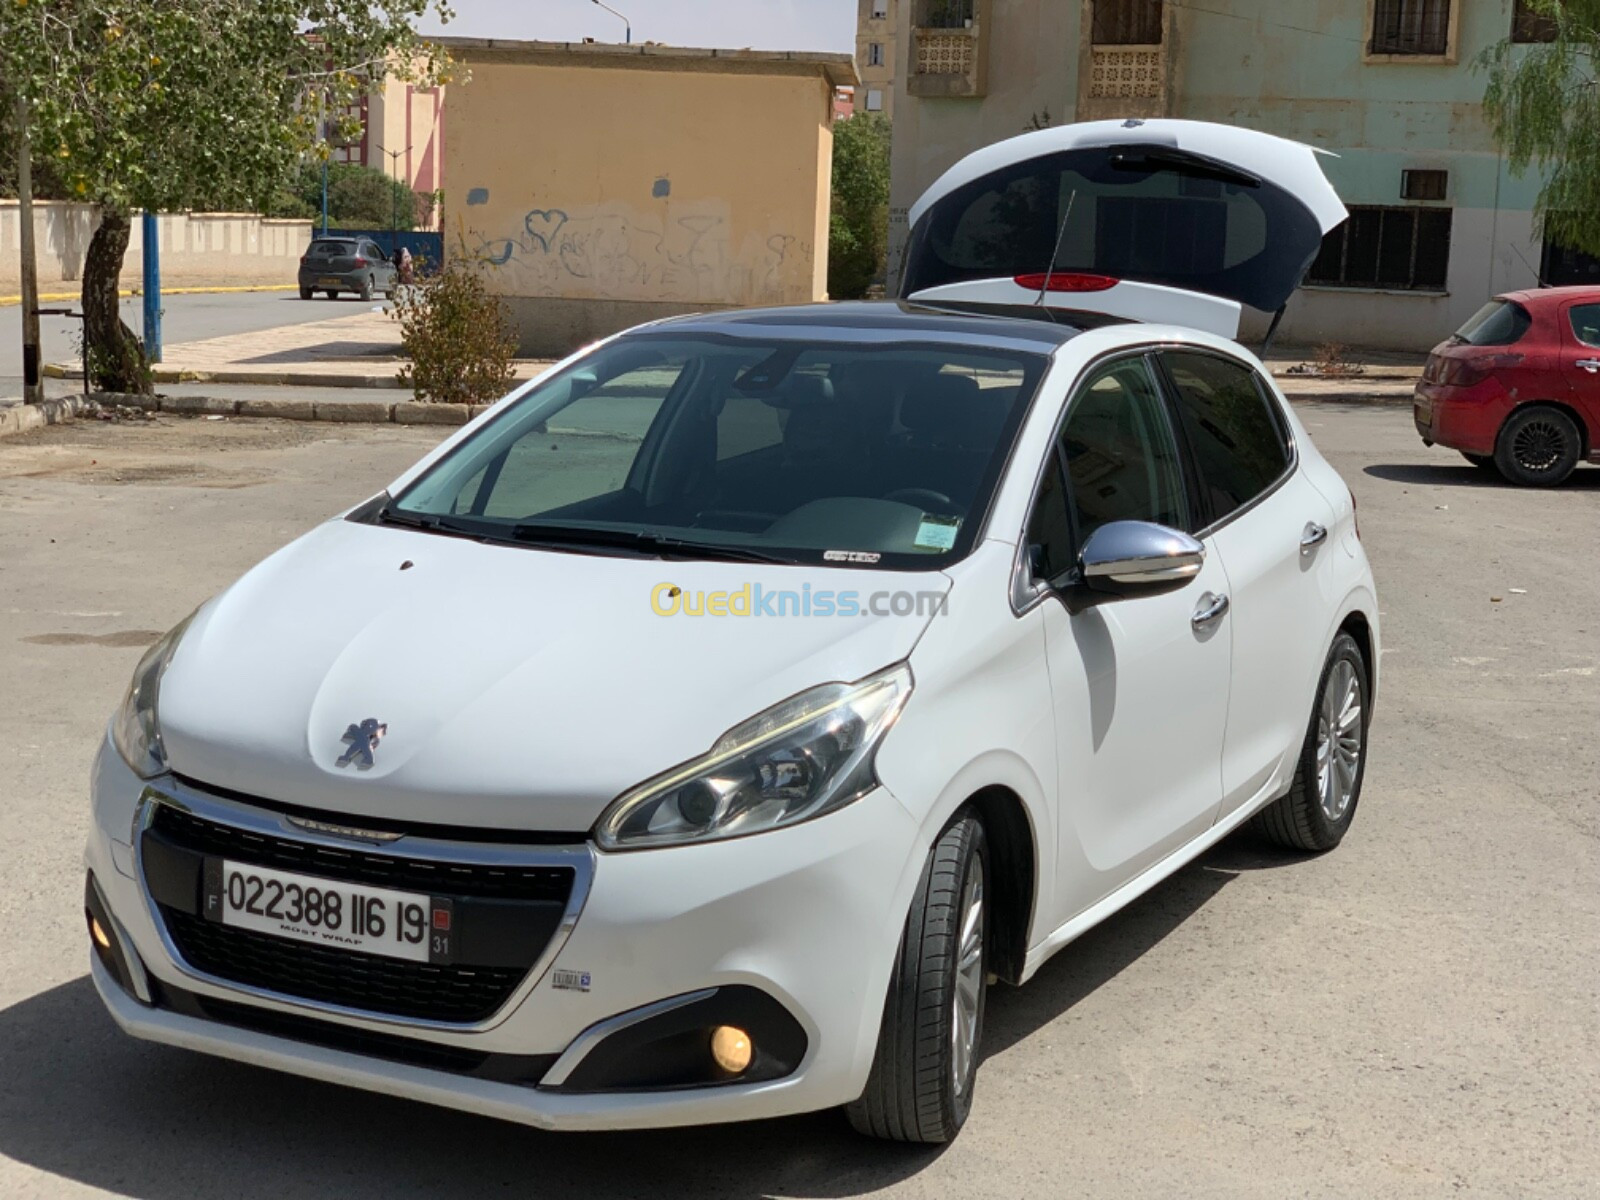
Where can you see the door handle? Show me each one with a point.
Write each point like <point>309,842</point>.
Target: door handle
<point>1312,536</point>
<point>1212,606</point>
<point>1591,365</point>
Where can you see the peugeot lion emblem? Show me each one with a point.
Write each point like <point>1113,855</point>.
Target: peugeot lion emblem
<point>363,739</point>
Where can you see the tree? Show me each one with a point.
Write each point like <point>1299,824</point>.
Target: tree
<point>358,197</point>
<point>174,104</point>
<point>858,227</point>
<point>1543,103</point>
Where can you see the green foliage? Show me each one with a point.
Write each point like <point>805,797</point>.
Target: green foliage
<point>858,226</point>
<point>358,198</point>
<point>454,330</point>
<point>1543,104</point>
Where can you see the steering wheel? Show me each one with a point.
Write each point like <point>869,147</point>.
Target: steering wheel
<point>924,498</point>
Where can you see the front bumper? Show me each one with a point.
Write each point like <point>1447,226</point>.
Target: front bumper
<point>810,916</point>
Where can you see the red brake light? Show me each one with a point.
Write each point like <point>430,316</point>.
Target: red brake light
<point>1465,372</point>
<point>1066,281</point>
<point>360,262</point>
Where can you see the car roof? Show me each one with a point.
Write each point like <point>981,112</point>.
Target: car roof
<point>1552,295</point>
<point>1041,330</point>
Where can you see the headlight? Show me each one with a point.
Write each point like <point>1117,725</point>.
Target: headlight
<point>135,730</point>
<point>807,756</point>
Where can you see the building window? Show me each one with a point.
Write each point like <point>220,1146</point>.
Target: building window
<point>875,54</point>
<point>880,9</point>
<point>1126,23</point>
<point>1528,25</point>
<point>874,100</point>
<point>1423,185</point>
<point>946,14</point>
<point>1378,247</point>
<point>1411,27</point>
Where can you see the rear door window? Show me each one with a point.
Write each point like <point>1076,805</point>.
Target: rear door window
<point>1585,320</point>
<point>1497,323</point>
<point>1240,444</point>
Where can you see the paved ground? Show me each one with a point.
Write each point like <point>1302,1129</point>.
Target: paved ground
<point>187,319</point>
<point>1412,1015</point>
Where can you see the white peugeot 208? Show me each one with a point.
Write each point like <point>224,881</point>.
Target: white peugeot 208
<point>700,732</point>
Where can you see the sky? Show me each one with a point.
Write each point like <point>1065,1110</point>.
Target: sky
<point>828,25</point>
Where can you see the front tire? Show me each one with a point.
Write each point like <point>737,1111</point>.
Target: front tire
<point>920,1088</point>
<point>1317,811</point>
<point>331,294</point>
<point>1538,446</point>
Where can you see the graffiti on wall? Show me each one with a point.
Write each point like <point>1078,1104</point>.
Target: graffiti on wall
<point>609,251</point>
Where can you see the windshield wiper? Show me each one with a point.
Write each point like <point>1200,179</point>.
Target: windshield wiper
<point>639,541</point>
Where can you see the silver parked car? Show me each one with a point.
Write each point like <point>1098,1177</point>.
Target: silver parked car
<point>334,265</point>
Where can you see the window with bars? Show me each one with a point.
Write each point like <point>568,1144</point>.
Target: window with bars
<point>946,14</point>
<point>875,54</point>
<point>1530,25</point>
<point>1380,247</point>
<point>1126,23</point>
<point>1410,27</point>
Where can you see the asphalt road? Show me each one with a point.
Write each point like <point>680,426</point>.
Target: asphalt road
<point>1411,1015</point>
<point>187,318</point>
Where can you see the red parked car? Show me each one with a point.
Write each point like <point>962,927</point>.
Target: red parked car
<point>1517,388</point>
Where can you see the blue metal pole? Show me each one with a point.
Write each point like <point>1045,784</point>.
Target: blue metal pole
<point>324,197</point>
<point>152,289</point>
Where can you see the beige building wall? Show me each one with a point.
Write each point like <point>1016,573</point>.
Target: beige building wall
<point>197,249</point>
<point>604,186</point>
<point>875,26</point>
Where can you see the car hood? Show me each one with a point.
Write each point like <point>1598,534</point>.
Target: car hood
<point>520,689</point>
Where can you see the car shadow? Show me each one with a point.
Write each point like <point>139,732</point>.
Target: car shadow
<point>80,1100</point>
<point>1466,475</point>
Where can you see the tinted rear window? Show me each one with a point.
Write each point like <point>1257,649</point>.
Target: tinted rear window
<point>1239,444</point>
<point>332,249</point>
<point>1497,323</point>
<point>1138,213</point>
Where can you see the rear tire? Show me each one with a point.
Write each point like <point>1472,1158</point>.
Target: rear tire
<point>366,288</point>
<point>923,1072</point>
<point>1317,811</point>
<point>305,293</point>
<point>1484,462</point>
<point>1538,446</point>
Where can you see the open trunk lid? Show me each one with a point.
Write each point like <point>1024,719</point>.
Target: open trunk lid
<point>1179,222</point>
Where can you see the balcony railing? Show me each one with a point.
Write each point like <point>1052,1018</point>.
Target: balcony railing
<point>948,61</point>
<point>1126,72</point>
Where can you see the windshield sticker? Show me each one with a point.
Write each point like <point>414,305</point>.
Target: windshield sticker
<point>937,533</point>
<point>850,556</point>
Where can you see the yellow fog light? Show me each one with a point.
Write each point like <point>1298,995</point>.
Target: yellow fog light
<point>731,1048</point>
<point>101,938</point>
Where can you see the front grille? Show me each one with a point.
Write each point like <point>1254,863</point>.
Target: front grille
<point>505,917</point>
<point>368,982</point>
<point>357,865</point>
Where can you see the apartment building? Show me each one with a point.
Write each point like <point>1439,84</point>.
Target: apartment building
<point>877,36</point>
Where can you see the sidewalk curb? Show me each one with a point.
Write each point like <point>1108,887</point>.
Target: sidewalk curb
<point>263,378</point>
<point>125,293</point>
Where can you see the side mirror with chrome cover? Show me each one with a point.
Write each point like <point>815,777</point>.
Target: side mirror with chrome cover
<point>1134,558</point>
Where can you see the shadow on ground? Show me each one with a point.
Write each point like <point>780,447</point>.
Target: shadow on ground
<point>80,1100</point>
<point>1466,475</point>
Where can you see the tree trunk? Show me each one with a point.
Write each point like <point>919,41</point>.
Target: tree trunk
<point>116,356</point>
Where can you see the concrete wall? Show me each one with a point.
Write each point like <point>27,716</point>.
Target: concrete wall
<point>600,191</point>
<point>1299,69</point>
<point>197,249</point>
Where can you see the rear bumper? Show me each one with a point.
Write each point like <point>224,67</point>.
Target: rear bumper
<point>1462,418</point>
<point>345,281</point>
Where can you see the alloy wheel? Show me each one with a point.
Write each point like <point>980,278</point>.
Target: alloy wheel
<point>1339,732</point>
<point>969,981</point>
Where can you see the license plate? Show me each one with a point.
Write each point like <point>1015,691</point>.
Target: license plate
<point>329,912</point>
<point>333,283</point>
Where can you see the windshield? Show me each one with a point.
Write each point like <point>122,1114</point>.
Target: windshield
<point>716,446</point>
<point>1139,213</point>
<point>1497,323</point>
